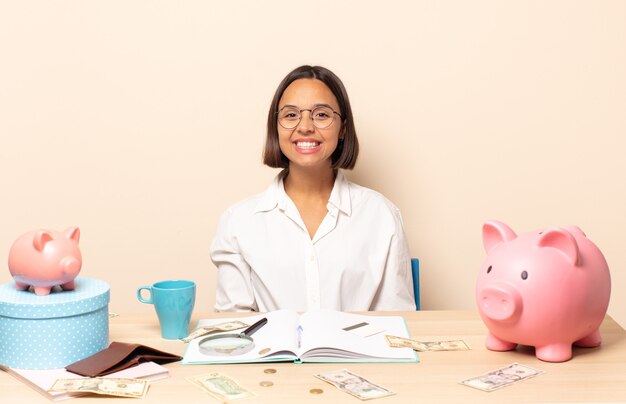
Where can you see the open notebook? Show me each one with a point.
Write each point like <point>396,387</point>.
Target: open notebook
<point>314,336</point>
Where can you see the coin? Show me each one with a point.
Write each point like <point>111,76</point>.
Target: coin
<point>264,351</point>
<point>316,391</point>
<point>266,383</point>
<point>269,371</point>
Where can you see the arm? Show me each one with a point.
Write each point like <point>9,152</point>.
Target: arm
<point>234,285</point>
<point>396,288</point>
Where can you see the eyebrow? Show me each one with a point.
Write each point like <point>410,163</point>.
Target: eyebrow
<point>314,106</point>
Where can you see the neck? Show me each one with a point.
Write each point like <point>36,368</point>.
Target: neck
<point>309,182</point>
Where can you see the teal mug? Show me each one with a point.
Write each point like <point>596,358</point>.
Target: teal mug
<point>173,302</point>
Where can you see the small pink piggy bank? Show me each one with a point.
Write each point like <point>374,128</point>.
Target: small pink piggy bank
<point>548,289</point>
<point>43,259</point>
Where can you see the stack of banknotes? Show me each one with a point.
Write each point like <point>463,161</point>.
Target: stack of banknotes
<point>136,388</point>
<point>201,331</point>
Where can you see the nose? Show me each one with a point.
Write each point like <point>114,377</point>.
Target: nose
<point>500,302</point>
<point>306,123</point>
<point>70,265</point>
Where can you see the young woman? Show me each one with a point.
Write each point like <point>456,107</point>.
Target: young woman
<point>312,239</point>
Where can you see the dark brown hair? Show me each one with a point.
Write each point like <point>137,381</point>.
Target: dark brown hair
<point>347,150</point>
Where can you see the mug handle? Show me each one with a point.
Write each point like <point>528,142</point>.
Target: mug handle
<point>140,298</point>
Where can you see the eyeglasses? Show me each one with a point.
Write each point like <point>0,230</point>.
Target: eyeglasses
<point>322,117</point>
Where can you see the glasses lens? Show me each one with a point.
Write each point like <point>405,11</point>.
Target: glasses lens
<point>289,118</point>
<point>322,117</point>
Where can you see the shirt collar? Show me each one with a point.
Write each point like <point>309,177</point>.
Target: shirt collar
<point>275,195</point>
<point>340,195</point>
<point>270,198</point>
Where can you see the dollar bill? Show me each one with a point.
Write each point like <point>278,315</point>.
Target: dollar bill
<point>200,331</point>
<point>354,384</point>
<point>106,386</point>
<point>450,345</point>
<point>221,386</point>
<point>502,377</point>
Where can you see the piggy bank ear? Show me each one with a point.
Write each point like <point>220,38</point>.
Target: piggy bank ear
<point>40,240</point>
<point>494,233</point>
<point>72,233</point>
<point>575,230</point>
<point>561,240</point>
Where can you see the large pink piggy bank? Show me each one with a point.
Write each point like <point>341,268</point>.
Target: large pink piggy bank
<point>43,259</point>
<point>548,289</point>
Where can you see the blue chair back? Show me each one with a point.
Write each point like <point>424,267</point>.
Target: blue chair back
<point>415,269</point>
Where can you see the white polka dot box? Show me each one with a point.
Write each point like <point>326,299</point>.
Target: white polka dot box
<point>53,331</point>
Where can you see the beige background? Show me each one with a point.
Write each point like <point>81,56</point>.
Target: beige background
<point>141,121</point>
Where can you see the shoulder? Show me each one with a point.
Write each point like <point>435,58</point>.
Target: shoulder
<point>234,217</point>
<point>243,208</point>
<point>375,211</point>
<point>367,198</point>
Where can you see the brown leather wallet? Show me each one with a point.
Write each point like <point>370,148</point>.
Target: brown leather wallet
<point>118,356</point>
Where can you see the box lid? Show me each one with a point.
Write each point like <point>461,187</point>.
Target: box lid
<point>88,295</point>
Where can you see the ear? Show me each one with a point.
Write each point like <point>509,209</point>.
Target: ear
<point>40,239</point>
<point>494,233</point>
<point>561,240</point>
<point>72,233</point>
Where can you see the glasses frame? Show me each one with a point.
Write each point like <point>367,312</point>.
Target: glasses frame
<point>310,116</point>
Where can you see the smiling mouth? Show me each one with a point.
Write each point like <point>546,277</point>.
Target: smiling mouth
<point>307,145</point>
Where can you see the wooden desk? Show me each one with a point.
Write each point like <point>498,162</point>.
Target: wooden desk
<point>593,375</point>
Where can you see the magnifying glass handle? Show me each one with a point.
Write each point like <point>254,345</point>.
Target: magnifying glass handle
<point>254,327</point>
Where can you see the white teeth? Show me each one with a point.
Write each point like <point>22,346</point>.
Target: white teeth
<point>307,145</point>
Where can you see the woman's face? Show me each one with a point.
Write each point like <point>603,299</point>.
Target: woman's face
<point>306,145</point>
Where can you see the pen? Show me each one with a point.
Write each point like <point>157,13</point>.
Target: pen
<point>299,336</point>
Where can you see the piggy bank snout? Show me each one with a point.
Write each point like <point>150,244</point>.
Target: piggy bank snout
<point>500,302</point>
<point>70,265</point>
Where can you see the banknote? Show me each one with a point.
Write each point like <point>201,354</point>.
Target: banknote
<point>354,384</point>
<point>221,386</point>
<point>502,377</point>
<point>450,345</point>
<point>113,387</point>
<point>200,331</point>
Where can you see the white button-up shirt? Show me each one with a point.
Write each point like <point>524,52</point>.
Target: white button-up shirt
<point>358,259</point>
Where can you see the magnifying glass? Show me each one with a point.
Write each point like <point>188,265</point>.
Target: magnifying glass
<point>231,344</point>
